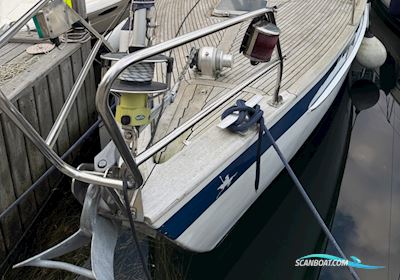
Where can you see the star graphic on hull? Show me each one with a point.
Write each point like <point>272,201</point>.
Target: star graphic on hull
<point>225,183</point>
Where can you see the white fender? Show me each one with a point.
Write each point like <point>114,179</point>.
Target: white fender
<point>372,53</point>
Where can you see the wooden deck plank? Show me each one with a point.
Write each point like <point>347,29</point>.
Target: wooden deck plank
<point>45,117</point>
<point>57,102</point>
<point>14,52</point>
<point>20,173</point>
<point>11,224</point>
<point>81,98</point>
<point>90,86</point>
<point>195,104</point>
<point>37,163</point>
<point>7,48</point>
<point>40,67</point>
<point>67,80</point>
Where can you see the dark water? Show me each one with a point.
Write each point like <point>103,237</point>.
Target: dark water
<point>367,218</point>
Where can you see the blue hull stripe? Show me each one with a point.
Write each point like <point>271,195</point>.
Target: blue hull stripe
<point>185,216</point>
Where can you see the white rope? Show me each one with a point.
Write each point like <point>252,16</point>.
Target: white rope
<point>11,70</point>
<point>139,72</point>
<point>76,36</point>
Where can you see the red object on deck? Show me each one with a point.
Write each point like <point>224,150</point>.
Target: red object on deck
<point>260,41</point>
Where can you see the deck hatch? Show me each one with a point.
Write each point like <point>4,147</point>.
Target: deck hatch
<point>227,8</point>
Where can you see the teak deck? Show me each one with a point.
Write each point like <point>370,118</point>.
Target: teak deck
<point>309,30</point>
<point>313,34</point>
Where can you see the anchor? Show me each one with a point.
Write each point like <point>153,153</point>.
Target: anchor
<point>102,232</point>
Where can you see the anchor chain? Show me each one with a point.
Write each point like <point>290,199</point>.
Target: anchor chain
<point>185,69</point>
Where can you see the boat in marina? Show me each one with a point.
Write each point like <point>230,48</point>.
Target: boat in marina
<point>390,11</point>
<point>179,66</point>
<point>393,7</point>
<point>100,13</point>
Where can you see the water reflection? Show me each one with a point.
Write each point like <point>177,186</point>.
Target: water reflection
<point>367,220</point>
<point>363,94</point>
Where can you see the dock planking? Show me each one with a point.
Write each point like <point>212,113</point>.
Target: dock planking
<point>57,102</point>
<point>90,89</point>
<point>19,167</point>
<point>2,246</point>
<point>36,161</point>
<point>81,98</point>
<point>45,116</point>
<point>39,93</point>
<point>67,83</point>
<point>11,223</point>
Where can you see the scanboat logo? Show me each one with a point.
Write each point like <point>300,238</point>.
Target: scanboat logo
<point>329,260</point>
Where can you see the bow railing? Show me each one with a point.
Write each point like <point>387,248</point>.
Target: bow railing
<point>103,92</point>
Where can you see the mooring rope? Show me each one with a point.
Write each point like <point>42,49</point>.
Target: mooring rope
<point>249,116</point>
<point>130,217</point>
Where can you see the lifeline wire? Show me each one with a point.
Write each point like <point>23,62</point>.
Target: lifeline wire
<point>249,116</point>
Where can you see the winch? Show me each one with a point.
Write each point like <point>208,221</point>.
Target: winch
<point>136,91</point>
<point>211,61</point>
<point>135,87</point>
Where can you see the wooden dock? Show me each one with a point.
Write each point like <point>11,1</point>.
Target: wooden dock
<point>38,86</point>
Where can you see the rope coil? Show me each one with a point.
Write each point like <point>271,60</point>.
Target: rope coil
<point>247,118</point>
<point>139,72</point>
<point>11,70</point>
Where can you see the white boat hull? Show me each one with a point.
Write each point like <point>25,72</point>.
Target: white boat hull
<point>216,221</point>
<point>101,13</point>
